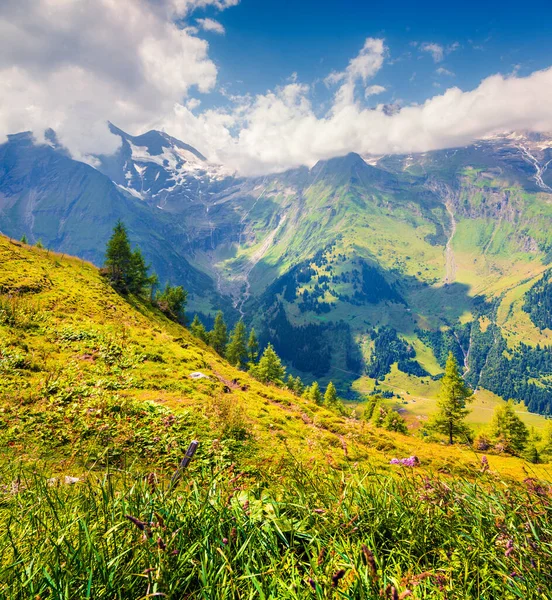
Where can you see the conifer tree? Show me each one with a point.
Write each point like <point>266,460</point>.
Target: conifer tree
<point>299,387</point>
<point>315,394</point>
<point>236,352</point>
<point>23,239</point>
<point>453,396</point>
<point>139,282</point>
<point>290,383</point>
<point>508,429</point>
<point>218,337</point>
<point>270,368</point>
<point>118,257</point>
<point>198,329</point>
<point>330,397</point>
<point>253,347</point>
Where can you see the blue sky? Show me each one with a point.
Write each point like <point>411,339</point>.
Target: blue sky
<point>266,41</point>
<point>267,85</point>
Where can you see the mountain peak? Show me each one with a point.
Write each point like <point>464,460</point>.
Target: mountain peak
<point>156,142</point>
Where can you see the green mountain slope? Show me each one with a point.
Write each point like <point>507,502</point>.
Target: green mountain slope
<point>437,249</point>
<point>87,375</point>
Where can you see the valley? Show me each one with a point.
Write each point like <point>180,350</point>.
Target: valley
<point>436,242</point>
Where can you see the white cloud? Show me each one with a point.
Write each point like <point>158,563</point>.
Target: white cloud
<point>436,50</point>
<point>372,90</point>
<point>211,25</point>
<point>280,129</point>
<point>443,71</point>
<point>73,65</point>
<point>360,69</point>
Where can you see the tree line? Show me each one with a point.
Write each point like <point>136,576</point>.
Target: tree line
<point>241,349</point>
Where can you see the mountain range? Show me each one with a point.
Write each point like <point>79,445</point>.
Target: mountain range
<point>364,270</point>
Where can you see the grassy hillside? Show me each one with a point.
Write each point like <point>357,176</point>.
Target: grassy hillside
<point>284,499</point>
<point>87,375</point>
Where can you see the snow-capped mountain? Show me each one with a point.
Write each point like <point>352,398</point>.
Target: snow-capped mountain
<point>154,165</point>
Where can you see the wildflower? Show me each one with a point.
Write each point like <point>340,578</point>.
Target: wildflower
<point>161,544</point>
<point>225,541</point>
<point>509,548</point>
<point>152,482</point>
<point>484,464</point>
<point>411,461</point>
<point>160,520</point>
<point>533,485</point>
<point>390,592</point>
<point>140,524</point>
<point>370,560</point>
<point>312,583</point>
<point>335,578</point>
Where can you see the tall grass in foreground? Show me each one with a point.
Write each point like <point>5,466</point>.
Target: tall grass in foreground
<point>120,535</point>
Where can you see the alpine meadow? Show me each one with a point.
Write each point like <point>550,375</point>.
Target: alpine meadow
<point>275,301</point>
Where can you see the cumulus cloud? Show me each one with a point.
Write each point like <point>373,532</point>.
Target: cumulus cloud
<point>211,25</point>
<point>73,65</point>
<point>279,130</point>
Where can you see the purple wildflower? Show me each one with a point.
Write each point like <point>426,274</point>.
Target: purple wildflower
<point>339,575</point>
<point>411,461</point>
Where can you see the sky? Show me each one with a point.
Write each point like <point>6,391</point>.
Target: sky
<point>267,85</point>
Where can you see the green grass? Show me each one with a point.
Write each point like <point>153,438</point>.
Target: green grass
<point>302,534</point>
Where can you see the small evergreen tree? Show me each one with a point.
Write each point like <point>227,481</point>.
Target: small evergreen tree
<point>531,453</point>
<point>508,429</point>
<point>198,329</point>
<point>172,301</point>
<point>128,271</point>
<point>39,245</point>
<point>453,396</point>
<point>299,386</point>
<point>253,346</point>
<point>270,368</point>
<point>218,337</point>
<point>290,383</point>
<point>236,352</point>
<point>24,239</point>
<point>315,394</point>
<point>330,396</point>
<point>118,258</point>
<point>139,282</point>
